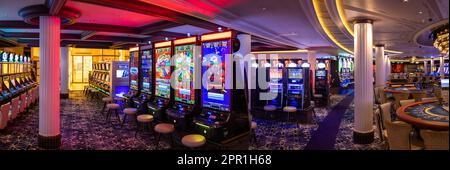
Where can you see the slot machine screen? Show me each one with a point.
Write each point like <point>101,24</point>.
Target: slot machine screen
<point>6,83</point>
<point>162,74</point>
<point>295,73</point>
<point>18,80</point>
<point>13,82</point>
<point>276,73</point>
<point>146,67</point>
<point>134,70</point>
<point>321,73</point>
<point>444,83</point>
<point>184,72</point>
<point>214,95</point>
<point>107,78</point>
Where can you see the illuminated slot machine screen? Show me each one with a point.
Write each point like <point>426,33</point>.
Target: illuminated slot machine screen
<point>295,73</point>
<point>6,82</point>
<point>134,70</point>
<point>106,78</point>
<point>214,95</point>
<point>321,73</point>
<point>13,83</point>
<point>146,67</point>
<point>162,72</point>
<point>276,73</point>
<point>184,74</point>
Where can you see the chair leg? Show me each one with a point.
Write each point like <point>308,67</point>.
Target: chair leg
<point>137,129</point>
<point>103,109</point>
<point>123,121</point>
<point>157,140</point>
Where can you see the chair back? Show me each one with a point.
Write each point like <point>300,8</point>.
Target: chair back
<point>377,118</point>
<point>418,96</point>
<point>405,102</point>
<point>23,102</point>
<point>398,97</point>
<point>14,108</point>
<point>4,114</point>
<point>398,135</point>
<point>385,113</point>
<point>435,140</point>
<point>429,99</point>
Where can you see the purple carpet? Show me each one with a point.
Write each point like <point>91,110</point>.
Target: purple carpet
<point>324,137</point>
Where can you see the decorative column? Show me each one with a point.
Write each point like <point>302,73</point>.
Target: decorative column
<point>312,60</point>
<point>363,120</point>
<point>441,66</point>
<point>432,65</point>
<point>64,65</point>
<point>388,68</point>
<point>49,118</point>
<point>425,67</point>
<point>380,66</point>
<point>245,42</point>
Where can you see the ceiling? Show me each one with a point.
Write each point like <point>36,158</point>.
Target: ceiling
<point>274,25</point>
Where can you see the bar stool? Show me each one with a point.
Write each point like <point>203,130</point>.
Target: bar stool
<point>129,112</point>
<point>119,100</point>
<point>106,100</point>
<point>164,129</point>
<point>94,93</point>
<point>269,108</point>
<point>85,89</point>
<point>253,127</point>
<point>145,120</point>
<point>193,141</point>
<point>289,110</point>
<point>112,107</point>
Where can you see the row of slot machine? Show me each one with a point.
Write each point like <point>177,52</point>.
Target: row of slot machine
<point>189,82</point>
<point>100,76</point>
<point>345,71</point>
<point>17,75</point>
<point>288,84</point>
<point>110,77</point>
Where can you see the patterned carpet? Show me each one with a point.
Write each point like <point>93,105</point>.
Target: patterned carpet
<point>83,128</point>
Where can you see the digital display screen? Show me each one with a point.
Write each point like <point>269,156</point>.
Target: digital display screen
<point>321,73</point>
<point>295,73</point>
<point>162,74</point>
<point>121,73</point>
<point>184,74</point>
<point>214,95</point>
<point>6,83</point>
<point>146,67</point>
<point>107,78</point>
<point>13,82</point>
<point>444,83</point>
<point>134,70</point>
<point>276,73</point>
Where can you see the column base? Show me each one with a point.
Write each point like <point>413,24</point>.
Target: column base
<point>363,138</point>
<point>63,96</point>
<point>49,142</point>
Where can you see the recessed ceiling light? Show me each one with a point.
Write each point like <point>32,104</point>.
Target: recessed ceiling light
<point>420,12</point>
<point>405,0</point>
<point>263,8</point>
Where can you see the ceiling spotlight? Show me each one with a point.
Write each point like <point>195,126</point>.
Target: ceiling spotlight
<point>167,39</point>
<point>405,0</point>
<point>420,12</point>
<point>137,44</point>
<point>220,29</point>
<point>189,34</point>
<point>149,42</point>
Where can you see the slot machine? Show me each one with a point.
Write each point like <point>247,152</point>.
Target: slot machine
<point>224,108</point>
<point>8,89</point>
<point>276,85</point>
<point>146,83</point>
<point>163,93</point>
<point>322,86</point>
<point>134,75</point>
<point>186,78</point>
<point>3,96</point>
<point>297,86</point>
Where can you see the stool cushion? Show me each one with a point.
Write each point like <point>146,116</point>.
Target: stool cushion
<point>130,111</point>
<point>145,118</point>
<point>94,90</point>
<point>193,140</point>
<point>113,106</point>
<point>270,108</point>
<point>106,99</point>
<point>254,125</point>
<point>164,128</point>
<point>290,109</point>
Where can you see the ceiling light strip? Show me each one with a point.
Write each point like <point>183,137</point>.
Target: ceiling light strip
<point>325,29</point>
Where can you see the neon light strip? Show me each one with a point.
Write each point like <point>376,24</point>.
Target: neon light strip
<point>134,49</point>
<point>343,17</point>
<point>221,35</point>
<point>325,29</point>
<point>185,40</point>
<point>163,44</point>
<point>284,51</point>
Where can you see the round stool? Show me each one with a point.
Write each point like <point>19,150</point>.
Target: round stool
<point>193,141</point>
<point>253,127</point>
<point>289,110</point>
<point>164,129</point>
<point>145,120</point>
<point>105,100</point>
<point>129,112</point>
<point>112,108</point>
<point>268,109</point>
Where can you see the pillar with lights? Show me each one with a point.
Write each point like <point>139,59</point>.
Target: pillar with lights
<point>388,68</point>
<point>380,63</point>
<point>312,60</point>
<point>49,118</point>
<point>363,119</point>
